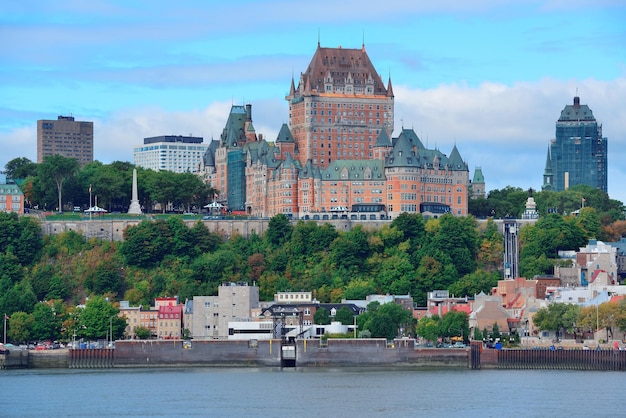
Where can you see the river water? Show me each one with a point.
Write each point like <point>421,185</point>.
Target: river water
<point>309,392</point>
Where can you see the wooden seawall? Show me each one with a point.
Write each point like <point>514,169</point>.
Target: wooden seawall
<point>562,359</point>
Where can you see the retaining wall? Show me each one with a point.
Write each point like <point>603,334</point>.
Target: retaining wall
<point>16,359</point>
<point>48,359</point>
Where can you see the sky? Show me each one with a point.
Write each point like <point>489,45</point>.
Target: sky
<point>490,76</point>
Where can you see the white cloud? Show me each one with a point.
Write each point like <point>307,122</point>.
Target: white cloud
<point>506,129</point>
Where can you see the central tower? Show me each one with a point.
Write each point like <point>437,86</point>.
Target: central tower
<point>339,107</point>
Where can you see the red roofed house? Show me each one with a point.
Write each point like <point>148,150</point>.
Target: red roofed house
<point>170,318</point>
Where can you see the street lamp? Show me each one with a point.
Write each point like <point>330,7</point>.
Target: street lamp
<point>111,330</point>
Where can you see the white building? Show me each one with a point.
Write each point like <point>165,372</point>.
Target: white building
<point>212,314</point>
<point>180,154</point>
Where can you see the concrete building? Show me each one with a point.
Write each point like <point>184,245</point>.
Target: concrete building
<point>578,154</point>
<point>133,318</point>
<point>596,263</point>
<point>211,314</point>
<point>180,154</point>
<point>11,198</point>
<point>67,137</point>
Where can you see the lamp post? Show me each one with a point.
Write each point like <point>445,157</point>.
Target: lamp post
<point>597,321</point>
<point>111,330</point>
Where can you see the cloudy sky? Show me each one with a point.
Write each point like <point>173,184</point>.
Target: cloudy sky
<point>490,76</point>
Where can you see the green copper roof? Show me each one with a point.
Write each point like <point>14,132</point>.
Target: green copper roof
<point>352,170</point>
<point>455,161</point>
<point>478,176</point>
<point>382,140</point>
<point>576,112</point>
<point>285,134</point>
<point>233,134</point>
<point>548,170</point>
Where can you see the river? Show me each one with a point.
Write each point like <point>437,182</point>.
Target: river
<point>309,392</point>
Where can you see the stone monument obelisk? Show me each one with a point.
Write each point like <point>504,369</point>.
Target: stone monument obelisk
<point>135,208</point>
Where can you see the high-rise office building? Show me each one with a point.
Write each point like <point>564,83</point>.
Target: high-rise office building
<point>67,137</point>
<point>339,107</point>
<point>180,154</point>
<point>578,154</point>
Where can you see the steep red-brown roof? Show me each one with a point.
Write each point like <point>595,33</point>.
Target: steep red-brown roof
<point>338,62</point>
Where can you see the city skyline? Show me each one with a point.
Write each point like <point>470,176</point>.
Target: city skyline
<point>491,78</point>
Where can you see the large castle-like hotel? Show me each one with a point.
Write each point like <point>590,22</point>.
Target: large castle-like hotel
<point>336,156</point>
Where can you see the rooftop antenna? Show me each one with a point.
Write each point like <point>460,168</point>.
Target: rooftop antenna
<point>363,41</point>
<point>318,37</point>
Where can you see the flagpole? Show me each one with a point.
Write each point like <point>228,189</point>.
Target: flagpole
<point>5,328</point>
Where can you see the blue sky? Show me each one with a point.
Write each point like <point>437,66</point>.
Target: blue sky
<point>489,76</point>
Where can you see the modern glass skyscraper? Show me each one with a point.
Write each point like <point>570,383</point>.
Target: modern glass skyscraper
<point>578,154</point>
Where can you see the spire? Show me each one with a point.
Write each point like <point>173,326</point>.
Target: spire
<point>456,162</point>
<point>389,88</point>
<point>285,134</point>
<point>292,89</point>
<point>382,140</point>
<point>548,175</point>
<point>548,162</point>
<point>363,43</point>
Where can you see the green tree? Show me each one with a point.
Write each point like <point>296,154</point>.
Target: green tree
<point>142,333</point>
<point>473,283</point>
<point>278,230</point>
<point>57,169</point>
<point>557,317</point>
<point>162,186</point>
<point>20,326</point>
<point>458,238</point>
<point>429,328</point>
<point>387,320</point>
<point>358,289</point>
<point>588,220</point>
<point>495,332</point>
<point>349,251</point>
<point>147,243</point>
<point>47,322</point>
<point>454,324</point>
<point>20,168</point>
<point>344,315</point>
<point>411,226</point>
<point>321,316</point>
<point>17,298</point>
<point>98,318</point>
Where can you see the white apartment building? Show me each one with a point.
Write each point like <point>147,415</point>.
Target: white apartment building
<point>211,314</point>
<point>180,154</point>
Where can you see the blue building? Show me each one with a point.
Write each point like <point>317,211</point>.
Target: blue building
<point>578,154</point>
